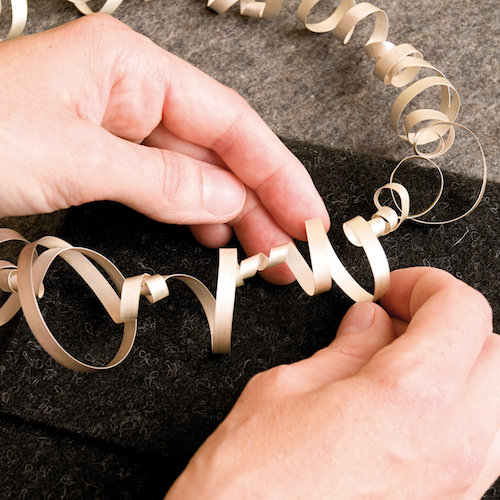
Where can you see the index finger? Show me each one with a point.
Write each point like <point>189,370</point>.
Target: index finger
<point>448,321</point>
<point>212,115</point>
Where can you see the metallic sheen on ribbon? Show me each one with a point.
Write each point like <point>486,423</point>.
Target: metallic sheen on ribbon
<point>19,17</point>
<point>396,65</point>
<point>24,281</point>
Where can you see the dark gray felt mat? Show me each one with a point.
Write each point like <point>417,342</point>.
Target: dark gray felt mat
<point>145,418</point>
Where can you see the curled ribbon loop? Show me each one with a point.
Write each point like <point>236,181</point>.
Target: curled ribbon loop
<point>31,272</point>
<point>397,66</point>
<point>121,302</point>
<point>428,158</point>
<point>108,8</point>
<point>19,18</point>
<point>121,298</point>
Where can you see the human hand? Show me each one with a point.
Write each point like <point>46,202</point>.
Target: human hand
<point>93,111</point>
<point>404,404</point>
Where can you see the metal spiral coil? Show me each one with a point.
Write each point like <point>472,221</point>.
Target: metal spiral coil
<point>24,280</point>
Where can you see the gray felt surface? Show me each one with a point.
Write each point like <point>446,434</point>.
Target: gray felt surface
<point>309,87</point>
<point>146,417</point>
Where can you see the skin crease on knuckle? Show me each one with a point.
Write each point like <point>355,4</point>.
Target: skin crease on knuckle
<point>113,51</point>
<point>239,111</point>
<point>177,185</point>
<point>136,103</point>
<point>435,279</point>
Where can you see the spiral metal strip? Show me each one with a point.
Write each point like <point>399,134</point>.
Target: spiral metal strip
<point>19,17</point>
<point>396,65</point>
<point>24,281</point>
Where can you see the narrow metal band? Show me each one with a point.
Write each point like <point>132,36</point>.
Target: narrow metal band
<point>19,18</point>
<point>120,299</point>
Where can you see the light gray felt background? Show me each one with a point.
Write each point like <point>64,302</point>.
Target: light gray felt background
<point>310,87</point>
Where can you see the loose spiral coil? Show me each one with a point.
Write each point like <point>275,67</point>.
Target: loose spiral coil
<point>24,281</point>
<point>396,65</point>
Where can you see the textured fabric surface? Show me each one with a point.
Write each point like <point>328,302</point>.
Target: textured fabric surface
<point>308,86</point>
<point>128,432</point>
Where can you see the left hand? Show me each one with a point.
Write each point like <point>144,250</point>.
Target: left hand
<point>92,110</point>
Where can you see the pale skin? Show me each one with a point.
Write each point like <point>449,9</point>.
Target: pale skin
<point>144,128</point>
<point>404,404</point>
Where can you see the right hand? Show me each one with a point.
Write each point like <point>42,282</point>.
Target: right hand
<point>404,404</point>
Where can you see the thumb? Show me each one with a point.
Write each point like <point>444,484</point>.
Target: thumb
<point>164,185</point>
<point>365,329</point>
<point>179,189</point>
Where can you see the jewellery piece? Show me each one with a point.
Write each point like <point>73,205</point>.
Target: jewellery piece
<point>24,281</point>
<point>396,65</point>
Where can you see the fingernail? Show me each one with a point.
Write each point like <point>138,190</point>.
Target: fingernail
<point>223,192</point>
<point>358,318</point>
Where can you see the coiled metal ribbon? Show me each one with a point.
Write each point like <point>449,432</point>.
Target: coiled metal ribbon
<point>396,65</point>
<point>24,281</point>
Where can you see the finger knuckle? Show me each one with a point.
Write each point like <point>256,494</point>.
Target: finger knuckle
<point>466,463</point>
<point>97,23</point>
<point>99,20</point>
<point>478,304</point>
<point>278,380</point>
<point>458,463</point>
<point>238,112</point>
<point>421,391</point>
